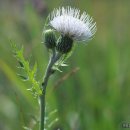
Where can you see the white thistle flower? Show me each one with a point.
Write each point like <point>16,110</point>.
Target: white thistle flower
<point>69,22</point>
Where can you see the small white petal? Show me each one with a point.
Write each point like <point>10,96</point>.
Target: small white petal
<point>69,21</point>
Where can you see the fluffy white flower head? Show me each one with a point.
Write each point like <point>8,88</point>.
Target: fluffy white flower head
<point>69,22</point>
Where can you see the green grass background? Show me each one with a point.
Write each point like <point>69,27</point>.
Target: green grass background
<point>96,96</point>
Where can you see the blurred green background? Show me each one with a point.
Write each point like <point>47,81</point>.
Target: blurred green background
<point>93,92</point>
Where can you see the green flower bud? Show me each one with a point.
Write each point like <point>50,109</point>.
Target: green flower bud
<point>64,44</point>
<point>49,39</point>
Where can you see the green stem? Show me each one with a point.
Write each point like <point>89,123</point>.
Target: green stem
<point>42,111</point>
<point>48,72</point>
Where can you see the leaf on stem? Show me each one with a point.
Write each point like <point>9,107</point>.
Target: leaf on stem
<point>30,73</point>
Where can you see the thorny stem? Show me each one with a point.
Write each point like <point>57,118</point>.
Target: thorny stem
<point>54,57</point>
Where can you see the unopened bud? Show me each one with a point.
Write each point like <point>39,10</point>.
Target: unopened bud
<point>64,44</point>
<point>49,39</point>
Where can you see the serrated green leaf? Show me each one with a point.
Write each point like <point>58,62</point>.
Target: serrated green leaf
<point>30,73</point>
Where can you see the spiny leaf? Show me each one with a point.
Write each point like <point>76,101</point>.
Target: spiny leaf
<point>61,62</point>
<point>50,119</point>
<point>30,73</point>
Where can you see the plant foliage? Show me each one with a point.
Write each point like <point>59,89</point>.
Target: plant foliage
<point>29,73</point>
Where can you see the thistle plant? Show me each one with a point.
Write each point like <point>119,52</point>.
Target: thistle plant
<point>63,27</point>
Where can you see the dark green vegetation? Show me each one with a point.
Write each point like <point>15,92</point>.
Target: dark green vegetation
<point>94,97</point>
